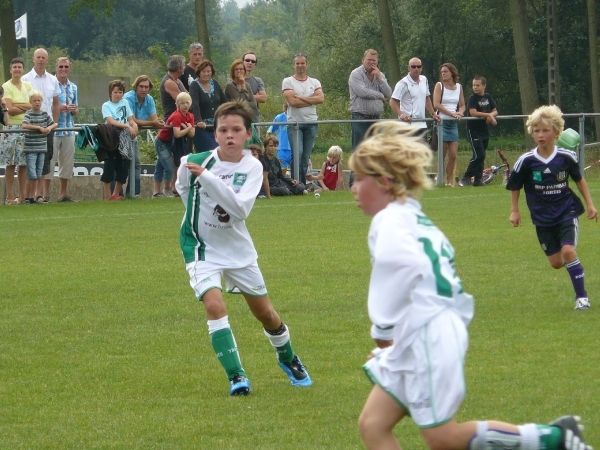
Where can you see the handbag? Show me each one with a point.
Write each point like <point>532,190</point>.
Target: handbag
<point>126,144</point>
<point>433,139</point>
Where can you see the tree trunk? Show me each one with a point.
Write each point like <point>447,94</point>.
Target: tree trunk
<point>594,67</point>
<point>202,27</point>
<point>527,85</point>
<point>389,42</point>
<point>10,49</point>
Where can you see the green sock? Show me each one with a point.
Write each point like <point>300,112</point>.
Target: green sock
<point>225,347</point>
<point>285,353</point>
<point>550,437</point>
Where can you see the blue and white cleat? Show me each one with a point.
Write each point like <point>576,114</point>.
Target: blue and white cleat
<point>296,372</point>
<point>240,385</point>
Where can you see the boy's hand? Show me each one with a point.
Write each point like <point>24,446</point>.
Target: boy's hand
<point>592,213</point>
<point>44,130</point>
<point>515,218</point>
<point>133,131</point>
<point>491,120</point>
<point>196,169</point>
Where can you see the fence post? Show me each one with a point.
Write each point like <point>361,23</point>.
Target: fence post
<point>440,153</point>
<point>295,152</point>
<point>581,152</point>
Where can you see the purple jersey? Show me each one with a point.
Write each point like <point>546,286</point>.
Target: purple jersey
<point>546,185</point>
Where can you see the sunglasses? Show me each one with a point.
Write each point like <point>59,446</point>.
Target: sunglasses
<point>415,67</point>
<point>300,55</point>
<point>63,67</point>
<point>253,61</point>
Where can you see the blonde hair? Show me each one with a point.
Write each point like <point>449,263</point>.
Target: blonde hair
<point>335,151</point>
<point>183,97</point>
<point>35,94</point>
<point>394,150</point>
<point>550,116</point>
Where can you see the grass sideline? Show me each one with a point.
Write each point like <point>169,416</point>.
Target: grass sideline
<point>104,346</point>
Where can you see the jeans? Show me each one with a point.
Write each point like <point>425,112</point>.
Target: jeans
<point>138,169</point>
<point>35,163</point>
<point>164,163</point>
<point>204,140</point>
<point>306,140</point>
<point>359,129</point>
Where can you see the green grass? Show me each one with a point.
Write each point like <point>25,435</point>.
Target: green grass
<point>103,344</point>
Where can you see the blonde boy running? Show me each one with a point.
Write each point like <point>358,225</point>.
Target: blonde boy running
<point>218,189</point>
<point>420,312</point>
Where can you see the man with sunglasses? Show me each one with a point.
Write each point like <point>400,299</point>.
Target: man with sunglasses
<point>368,90</point>
<point>256,84</point>
<point>411,96</point>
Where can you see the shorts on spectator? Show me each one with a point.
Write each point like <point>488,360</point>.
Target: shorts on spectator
<point>35,163</point>
<point>64,154</point>
<point>12,149</point>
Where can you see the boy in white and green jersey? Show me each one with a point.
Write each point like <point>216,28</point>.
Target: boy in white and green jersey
<point>218,189</point>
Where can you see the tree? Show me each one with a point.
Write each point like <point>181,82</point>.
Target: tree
<point>594,67</point>
<point>389,42</point>
<point>9,38</point>
<point>202,27</point>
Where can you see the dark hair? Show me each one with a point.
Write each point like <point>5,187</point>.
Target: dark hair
<point>480,78</point>
<point>203,65</point>
<point>141,78</point>
<point>236,62</point>
<point>238,108</point>
<point>453,71</point>
<point>115,84</point>
<point>301,55</point>
<point>250,53</point>
<point>17,61</point>
<point>257,148</point>
<point>270,138</point>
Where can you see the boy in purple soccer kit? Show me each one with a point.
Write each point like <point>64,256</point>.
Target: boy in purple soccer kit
<point>543,173</point>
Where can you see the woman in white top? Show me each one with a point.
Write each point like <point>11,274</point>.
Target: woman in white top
<point>449,101</point>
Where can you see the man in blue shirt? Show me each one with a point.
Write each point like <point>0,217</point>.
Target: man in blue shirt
<point>144,114</point>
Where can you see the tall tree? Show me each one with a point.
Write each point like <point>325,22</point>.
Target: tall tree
<point>9,39</point>
<point>594,67</point>
<point>389,41</point>
<point>202,27</point>
<point>527,84</point>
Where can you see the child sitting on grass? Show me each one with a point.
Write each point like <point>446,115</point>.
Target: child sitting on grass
<point>274,183</point>
<point>544,174</point>
<point>419,312</point>
<point>332,171</point>
<point>36,142</point>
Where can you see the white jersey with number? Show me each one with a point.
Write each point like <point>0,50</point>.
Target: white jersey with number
<point>217,205</point>
<point>413,278</point>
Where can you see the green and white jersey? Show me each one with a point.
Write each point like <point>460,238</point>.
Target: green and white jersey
<point>217,204</point>
<point>413,277</point>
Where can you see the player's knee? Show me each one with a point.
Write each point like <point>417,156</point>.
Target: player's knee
<point>568,253</point>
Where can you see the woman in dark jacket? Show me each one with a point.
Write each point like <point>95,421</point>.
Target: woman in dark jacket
<point>207,96</point>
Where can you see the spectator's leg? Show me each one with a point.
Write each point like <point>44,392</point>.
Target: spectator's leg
<point>309,133</point>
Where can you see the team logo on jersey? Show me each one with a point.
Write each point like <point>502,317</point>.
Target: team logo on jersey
<point>239,179</point>
<point>562,175</point>
<point>221,214</point>
<point>537,175</point>
<point>547,170</point>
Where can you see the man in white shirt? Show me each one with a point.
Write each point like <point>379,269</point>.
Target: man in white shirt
<point>411,98</point>
<point>47,84</point>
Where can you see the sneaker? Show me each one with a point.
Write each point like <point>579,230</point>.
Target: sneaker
<point>464,181</point>
<point>158,195</point>
<point>262,196</point>
<point>296,372</point>
<point>28,201</point>
<point>240,385</point>
<point>66,198</point>
<point>168,192</point>
<point>115,197</point>
<point>478,183</point>
<point>582,303</point>
<point>571,433</point>
<point>304,192</point>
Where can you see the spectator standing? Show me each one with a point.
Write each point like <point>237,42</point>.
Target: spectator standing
<point>449,101</point>
<point>47,84</point>
<point>302,93</point>
<point>207,96</point>
<point>411,96</point>
<point>117,113</point>
<point>171,85</point>
<point>64,141</point>
<point>144,114</point>
<point>237,88</point>
<point>16,98</point>
<point>368,90</point>
<point>480,104</point>
<point>41,124</point>
<point>196,55</point>
<point>256,84</point>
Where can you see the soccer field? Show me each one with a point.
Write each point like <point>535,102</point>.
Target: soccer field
<point>103,345</point>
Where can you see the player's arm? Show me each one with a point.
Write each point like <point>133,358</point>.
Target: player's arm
<point>515,215</point>
<point>182,184</point>
<point>585,192</point>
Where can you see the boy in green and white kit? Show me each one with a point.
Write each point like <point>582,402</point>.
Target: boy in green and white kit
<point>218,189</point>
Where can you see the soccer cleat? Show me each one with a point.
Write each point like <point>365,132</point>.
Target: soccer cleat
<point>240,385</point>
<point>582,303</point>
<point>571,433</point>
<point>296,372</point>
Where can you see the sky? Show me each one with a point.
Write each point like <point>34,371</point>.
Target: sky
<point>242,3</point>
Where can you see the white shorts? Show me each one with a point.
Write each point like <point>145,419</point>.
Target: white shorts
<point>205,276</point>
<point>433,390</point>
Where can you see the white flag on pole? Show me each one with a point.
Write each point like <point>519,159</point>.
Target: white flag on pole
<point>21,27</point>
